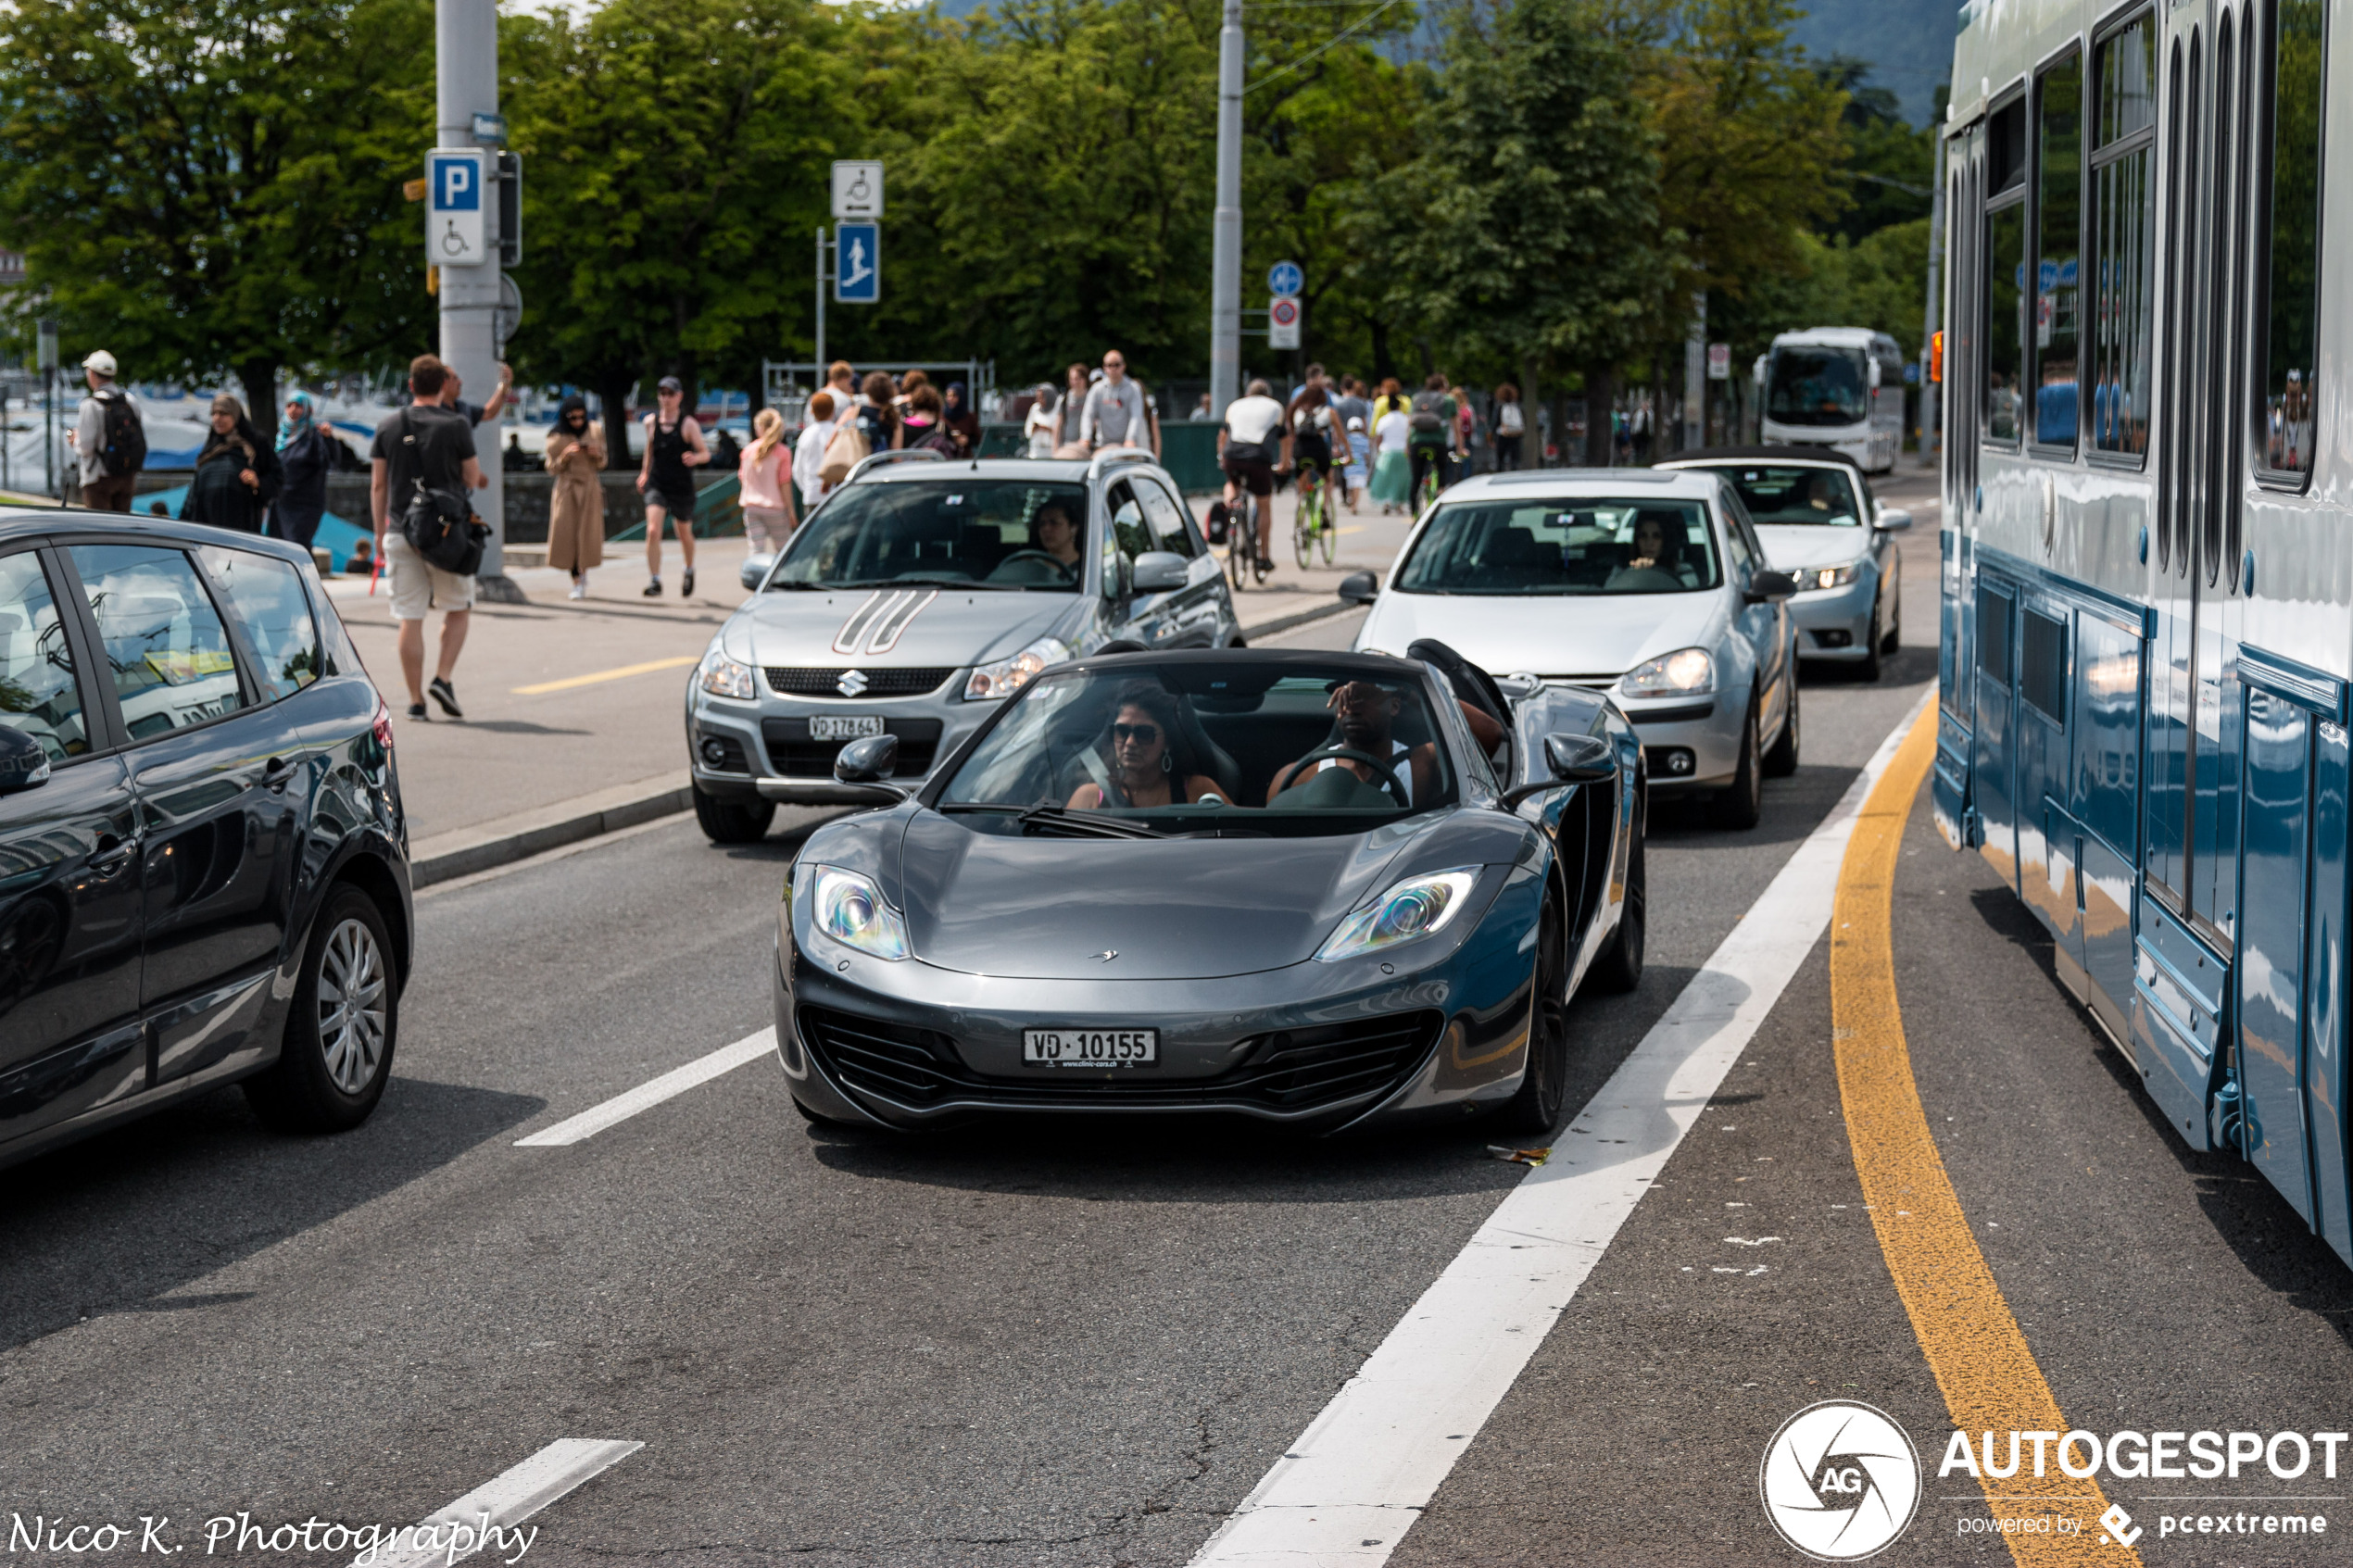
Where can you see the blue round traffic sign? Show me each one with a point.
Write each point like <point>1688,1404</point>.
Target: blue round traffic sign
<point>1284,280</point>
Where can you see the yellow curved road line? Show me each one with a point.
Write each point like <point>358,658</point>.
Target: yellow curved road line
<point>1973,1345</point>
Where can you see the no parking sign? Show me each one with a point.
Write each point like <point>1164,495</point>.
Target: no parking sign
<point>1282,324</point>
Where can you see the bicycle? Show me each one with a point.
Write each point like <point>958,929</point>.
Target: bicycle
<point>1426,492</point>
<point>1241,543</point>
<point>1312,522</point>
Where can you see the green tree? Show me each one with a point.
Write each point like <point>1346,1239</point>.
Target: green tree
<point>672,152</point>
<point>1890,165</point>
<point>214,188</point>
<point>1528,229</point>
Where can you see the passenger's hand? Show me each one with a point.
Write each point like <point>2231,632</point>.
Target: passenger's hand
<point>252,482</point>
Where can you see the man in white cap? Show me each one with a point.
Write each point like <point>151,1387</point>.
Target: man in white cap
<point>110,438</point>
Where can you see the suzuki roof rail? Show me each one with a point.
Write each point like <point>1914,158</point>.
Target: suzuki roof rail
<point>1111,455</point>
<point>910,454</point>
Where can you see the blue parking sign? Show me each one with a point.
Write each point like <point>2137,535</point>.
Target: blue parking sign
<point>858,263</point>
<point>456,228</point>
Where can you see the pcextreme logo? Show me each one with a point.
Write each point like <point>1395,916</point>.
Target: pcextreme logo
<point>1841,1481</point>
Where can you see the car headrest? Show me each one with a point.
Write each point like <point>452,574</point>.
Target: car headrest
<point>1512,546</point>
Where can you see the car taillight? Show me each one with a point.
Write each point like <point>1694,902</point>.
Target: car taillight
<point>383,725</point>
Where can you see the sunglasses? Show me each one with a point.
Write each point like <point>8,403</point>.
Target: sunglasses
<point>1142,734</point>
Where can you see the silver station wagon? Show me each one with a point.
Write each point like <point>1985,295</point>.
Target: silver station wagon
<point>918,596</point>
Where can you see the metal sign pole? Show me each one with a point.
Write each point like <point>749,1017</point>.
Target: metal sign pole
<point>822,279</point>
<point>1225,252</point>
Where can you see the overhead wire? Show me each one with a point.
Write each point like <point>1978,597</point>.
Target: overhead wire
<point>1332,41</point>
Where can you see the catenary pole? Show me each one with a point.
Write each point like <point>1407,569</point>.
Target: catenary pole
<point>1225,282</point>
<point>466,85</point>
<point>1932,404</point>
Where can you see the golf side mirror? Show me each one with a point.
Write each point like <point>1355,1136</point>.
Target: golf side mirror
<point>1893,520</point>
<point>23,763</point>
<point>1359,588</point>
<point>755,570</point>
<point>1766,587</point>
<point>867,761</point>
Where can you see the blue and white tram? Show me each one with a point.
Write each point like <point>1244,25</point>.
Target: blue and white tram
<point>2147,546</point>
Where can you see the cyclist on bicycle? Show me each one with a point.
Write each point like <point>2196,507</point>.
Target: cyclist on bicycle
<point>1311,427</point>
<point>1246,452</point>
<point>1435,434</point>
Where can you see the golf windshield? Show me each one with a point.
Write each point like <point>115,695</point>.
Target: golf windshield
<point>1197,742</point>
<point>1585,545</point>
<point>997,533</point>
<point>1818,386</point>
<point>1784,495</point>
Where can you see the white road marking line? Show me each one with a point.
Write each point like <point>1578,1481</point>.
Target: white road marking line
<point>677,1081</point>
<point>1347,1491</point>
<point>509,1499</point>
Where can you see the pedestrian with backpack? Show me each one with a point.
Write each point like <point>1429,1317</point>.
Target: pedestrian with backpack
<point>108,437</point>
<point>423,465</point>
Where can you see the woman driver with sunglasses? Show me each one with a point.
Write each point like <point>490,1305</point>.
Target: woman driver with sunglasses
<point>1145,767</point>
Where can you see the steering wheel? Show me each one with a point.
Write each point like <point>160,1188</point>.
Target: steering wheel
<point>1385,777</point>
<point>1068,569</point>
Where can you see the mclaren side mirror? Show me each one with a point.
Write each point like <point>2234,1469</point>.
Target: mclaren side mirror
<point>23,763</point>
<point>755,570</point>
<point>1579,759</point>
<point>1161,572</point>
<point>1359,588</point>
<point>1766,587</point>
<point>868,762</point>
<point>1893,520</point>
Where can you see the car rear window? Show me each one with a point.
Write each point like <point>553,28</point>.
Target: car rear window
<point>266,598</point>
<point>1575,546</point>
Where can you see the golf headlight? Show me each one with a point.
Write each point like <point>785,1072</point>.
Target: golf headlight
<point>1814,577</point>
<point>1417,908</point>
<point>1684,673</point>
<point>850,909</point>
<point>1009,675</point>
<point>722,676</point>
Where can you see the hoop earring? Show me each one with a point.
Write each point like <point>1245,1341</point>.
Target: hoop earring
<point>1168,763</point>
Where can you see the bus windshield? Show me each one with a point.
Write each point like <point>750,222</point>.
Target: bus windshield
<point>1818,386</point>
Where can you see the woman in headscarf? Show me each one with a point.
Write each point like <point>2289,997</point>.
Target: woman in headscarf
<point>306,456</point>
<point>236,472</point>
<point>575,453</point>
<point>963,423</point>
<point>764,485</point>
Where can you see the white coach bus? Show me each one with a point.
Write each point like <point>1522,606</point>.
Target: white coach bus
<point>1837,386</point>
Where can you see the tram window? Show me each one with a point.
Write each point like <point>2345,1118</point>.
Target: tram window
<point>2123,238</point>
<point>2005,148</point>
<point>2058,237</point>
<point>2293,238</point>
<point>2004,305</point>
<point>2041,665</point>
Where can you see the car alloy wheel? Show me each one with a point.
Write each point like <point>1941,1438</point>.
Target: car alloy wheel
<point>1739,804</point>
<point>1544,1086</point>
<point>351,1005</point>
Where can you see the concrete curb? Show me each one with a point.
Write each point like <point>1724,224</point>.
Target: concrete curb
<point>1284,623</point>
<point>447,856</point>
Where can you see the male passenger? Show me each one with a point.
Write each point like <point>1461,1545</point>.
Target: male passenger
<point>1366,712</point>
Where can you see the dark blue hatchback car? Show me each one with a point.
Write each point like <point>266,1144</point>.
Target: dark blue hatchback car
<point>203,860</point>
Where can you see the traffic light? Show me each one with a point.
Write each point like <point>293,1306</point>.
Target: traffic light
<point>1936,355</point>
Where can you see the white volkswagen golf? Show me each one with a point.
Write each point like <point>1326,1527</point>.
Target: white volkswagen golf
<point>1651,585</point>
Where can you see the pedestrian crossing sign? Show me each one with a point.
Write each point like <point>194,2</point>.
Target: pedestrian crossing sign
<point>858,263</point>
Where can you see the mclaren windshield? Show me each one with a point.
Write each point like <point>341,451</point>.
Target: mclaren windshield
<point>1818,386</point>
<point>974,533</point>
<point>1585,545</point>
<point>1207,746</point>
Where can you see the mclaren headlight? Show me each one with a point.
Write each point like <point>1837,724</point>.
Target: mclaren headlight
<point>1009,675</point>
<point>1684,673</point>
<point>1818,577</point>
<point>848,908</point>
<point>722,676</point>
<point>1417,906</point>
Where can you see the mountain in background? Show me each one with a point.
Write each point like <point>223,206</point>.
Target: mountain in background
<point>1910,44</point>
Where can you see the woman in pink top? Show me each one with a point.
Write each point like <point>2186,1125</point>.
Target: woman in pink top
<point>764,477</point>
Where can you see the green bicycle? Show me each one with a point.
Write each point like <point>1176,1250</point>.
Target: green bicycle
<point>1312,527</point>
<point>1426,492</point>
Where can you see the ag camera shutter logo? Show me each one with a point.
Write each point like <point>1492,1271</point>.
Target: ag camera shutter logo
<point>1841,1481</point>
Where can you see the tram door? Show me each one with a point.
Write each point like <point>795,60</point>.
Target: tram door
<point>2194,706</point>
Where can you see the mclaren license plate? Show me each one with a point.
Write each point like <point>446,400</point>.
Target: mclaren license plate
<point>826,726</point>
<point>1090,1047</point>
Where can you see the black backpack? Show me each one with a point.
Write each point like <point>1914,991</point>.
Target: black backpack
<point>125,438</point>
<point>1429,418</point>
<point>440,524</point>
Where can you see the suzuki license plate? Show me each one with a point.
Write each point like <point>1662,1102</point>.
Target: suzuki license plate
<point>827,727</point>
<point>1090,1047</point>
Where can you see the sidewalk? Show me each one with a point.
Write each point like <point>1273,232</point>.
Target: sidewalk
<point>574,711</point>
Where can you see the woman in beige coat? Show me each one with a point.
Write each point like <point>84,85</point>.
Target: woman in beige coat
<point>576,510</point>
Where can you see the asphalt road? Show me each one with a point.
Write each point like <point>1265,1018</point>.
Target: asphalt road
<point>1001,1348</point>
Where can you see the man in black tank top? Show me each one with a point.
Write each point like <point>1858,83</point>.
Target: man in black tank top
<point>674,449</point>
